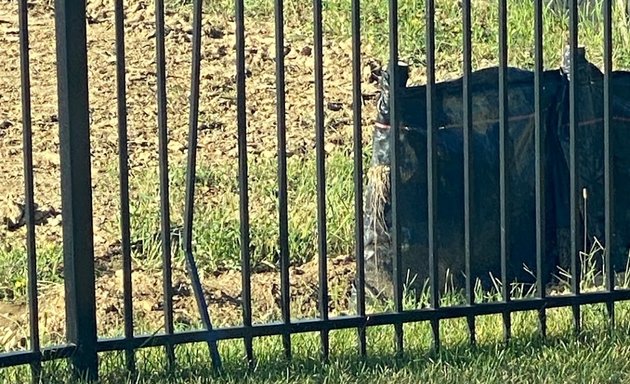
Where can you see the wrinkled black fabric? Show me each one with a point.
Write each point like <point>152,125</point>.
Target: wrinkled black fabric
<point>590,156</point>
<point>485,228</point>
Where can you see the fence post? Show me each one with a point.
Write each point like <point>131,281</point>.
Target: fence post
<point>76,188</point>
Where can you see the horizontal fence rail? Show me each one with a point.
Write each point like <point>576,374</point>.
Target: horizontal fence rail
<point>83,346</point>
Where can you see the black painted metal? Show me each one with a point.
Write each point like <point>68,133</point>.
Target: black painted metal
<point>11,359</point>
<point>283,225</point>
<point>573,196</point>
<point>189,203</point>
<point>468,159</point>
<point>357,103</point>
<point>321,171</point>
<point>76,184</point>
<point>29,203</point>
<point>539,144</point>
<point>241,117</point>
<point>394,168</point>
<point>609,219</point>
<point>432,169</point>
<point>504,160</point>
<point>123,164</point>
<point>165,215</point>
<point>346,322</point>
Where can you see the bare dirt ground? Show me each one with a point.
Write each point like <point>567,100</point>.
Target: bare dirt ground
<point>222,292</point>
<point>217,143</point>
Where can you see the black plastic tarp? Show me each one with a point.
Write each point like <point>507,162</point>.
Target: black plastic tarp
<point>485,228</point>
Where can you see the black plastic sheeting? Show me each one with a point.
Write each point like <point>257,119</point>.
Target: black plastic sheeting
<point>485,228</point>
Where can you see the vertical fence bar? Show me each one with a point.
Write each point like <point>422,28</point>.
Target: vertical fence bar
<point>539,145</point>
<point>241,116</point>
<point>432,203</point>
<point>165,219</point>
<point>190,182</point>
<point>76,185</point>
<point>357,102</point>
<point>321,172</point>
<point>394,170</point>
<point>123,165</point>
<point>609,219</point>
<point>573,185</point>
<point>29,199</point>
<point>468,159</point>
<point>504,159</point>
<point>283,200</point>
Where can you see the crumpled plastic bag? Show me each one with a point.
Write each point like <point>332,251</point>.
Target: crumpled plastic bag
<point>485,174</point>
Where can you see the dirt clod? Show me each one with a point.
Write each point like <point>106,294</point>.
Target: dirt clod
<point>216,33</point>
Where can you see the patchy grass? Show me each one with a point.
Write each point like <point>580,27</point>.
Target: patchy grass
<point>596,356</point>
<point>485,16</point>
<point>217,227</point>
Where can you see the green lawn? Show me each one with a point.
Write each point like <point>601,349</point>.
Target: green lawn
<point>595,357</point>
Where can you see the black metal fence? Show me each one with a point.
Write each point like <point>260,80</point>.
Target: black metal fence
<point>79,270</point>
